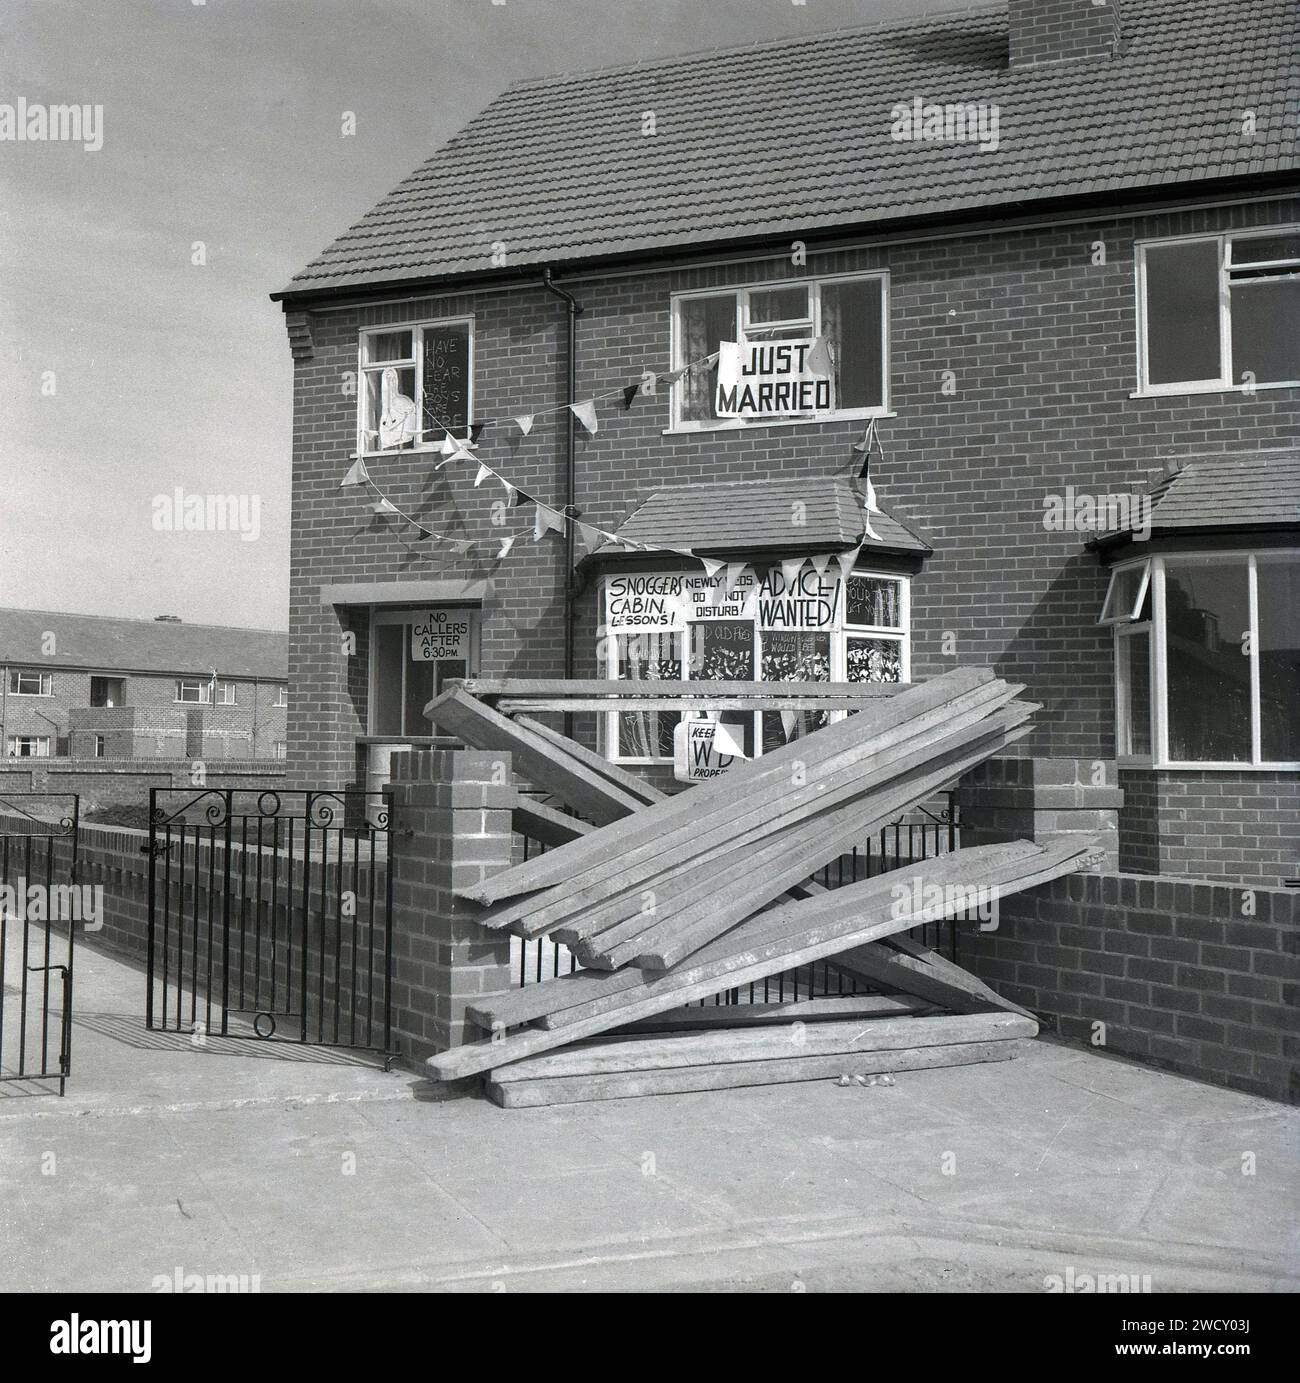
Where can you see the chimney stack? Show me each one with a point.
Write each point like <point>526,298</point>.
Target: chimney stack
<point>1062,30</point>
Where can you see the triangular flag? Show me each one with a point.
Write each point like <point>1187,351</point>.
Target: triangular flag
<point>460,545</point>
<point>712,566</point>
<point>789,719</point>
<point>545,521</point>
<point>725,740</point>
<point>511,492</point>
<point>448,447</point>
<point>522,497</point>
<point>382,506</point>
<point>672,377</point>
<point>735,571</point>
<point>589,537</point>
<point>818,360</point>
<point>870,507</point>
<point>586,414</point>
<point>483,473</point>
<point>357,474</point>
<point>790,572</point>
<point>476,430</point>
<point>868,436</point>
<point>506,545</point>
<point>848,560</point>
<point>820,562</point>
<point>425,535</point>
<point>524,422</point>
<point>629,394</point>
<point>463,454</point>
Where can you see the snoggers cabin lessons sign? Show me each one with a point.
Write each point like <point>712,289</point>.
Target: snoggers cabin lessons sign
<point>669,600</point>
<point>772,379</point>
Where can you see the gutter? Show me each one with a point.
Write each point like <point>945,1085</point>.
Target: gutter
<point>570,472</point>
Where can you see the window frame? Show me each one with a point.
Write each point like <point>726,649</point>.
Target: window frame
<point>15,740</point>
<point>839,636</point>
<point>742,293</point>
<point>1224,383</point>
<point>1158,673</point>
<point>281,701</point>
<point>417,329</point>
<point>45,681</point>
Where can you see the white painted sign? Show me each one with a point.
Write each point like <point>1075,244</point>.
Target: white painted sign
<point>773,379</point>
<point>440,636</point>
<point>658,601</point>
<point>694,757</point>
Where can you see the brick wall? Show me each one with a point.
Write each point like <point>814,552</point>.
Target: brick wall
<point>1062,30</point>
<point>1200,978</point>
<point>1038,337</point>
<point>1237,827</point>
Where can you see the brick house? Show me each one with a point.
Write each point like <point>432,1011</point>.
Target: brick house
<point>94,687</point>
<point>1053,248</point>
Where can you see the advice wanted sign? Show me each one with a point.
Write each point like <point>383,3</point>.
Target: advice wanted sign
<point>772,379</point>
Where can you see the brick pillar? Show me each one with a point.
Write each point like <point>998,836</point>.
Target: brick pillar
<point>450,825</point>
<point>1042,800</point>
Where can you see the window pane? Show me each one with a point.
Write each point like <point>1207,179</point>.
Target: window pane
<point>779,305</point>
<point>419,692</point>
<point>723,651</point>
<point>648,658</point>
<point>390,405</point>
<point>874,601</point>
<point>1206,614</point>
<point>389,345</point>
<point>851,322</point>
<point>446,379</point>
<point>875,660</point>
<point>1266,329</point>
<point>1279,659</point>
<point>791,656</point>
<point>705,323</point>
<point>1122,594</point>
<point>1134,674</point>
<point>1265,249</point>
<point>390,646</point>
<point>1182,312</point>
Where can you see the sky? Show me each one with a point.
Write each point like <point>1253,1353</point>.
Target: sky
<point>141,353</point>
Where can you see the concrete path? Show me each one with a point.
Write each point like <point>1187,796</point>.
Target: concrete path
<point>305,1169</point>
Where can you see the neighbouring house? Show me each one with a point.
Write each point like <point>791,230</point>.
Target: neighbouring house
<point>1033,267</point>
<point>95,687</point>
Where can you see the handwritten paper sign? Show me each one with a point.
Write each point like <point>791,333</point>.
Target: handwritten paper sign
<point>773,379</point>
<point>694,757</point>
<point>671,600</point>
<point>440,636</point>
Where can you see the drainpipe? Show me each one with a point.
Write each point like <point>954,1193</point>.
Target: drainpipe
<point>570,510</point>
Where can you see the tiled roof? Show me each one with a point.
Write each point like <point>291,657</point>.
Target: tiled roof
<point>104,644</point>
<point>794,136</point>
<point>775,517</point>
<point>1236,490</point>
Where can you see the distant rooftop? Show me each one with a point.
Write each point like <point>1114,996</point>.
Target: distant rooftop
<point>103,643</point>
<point>796,136</point>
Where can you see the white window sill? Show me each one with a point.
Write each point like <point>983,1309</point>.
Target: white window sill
<point>33,696</point>
<point>1165,391</point>
<point>740,425</point>
<point>1209,767</point>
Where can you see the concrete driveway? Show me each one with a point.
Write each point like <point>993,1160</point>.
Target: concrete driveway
<point>279,1168</point>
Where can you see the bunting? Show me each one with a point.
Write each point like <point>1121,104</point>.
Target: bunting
<point>357,474</point>
<point>586,415</point>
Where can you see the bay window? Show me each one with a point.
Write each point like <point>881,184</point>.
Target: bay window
<point>1219,312</point>
<point>1207,659</point>
<point>851,313</point>
<point>683,626</point>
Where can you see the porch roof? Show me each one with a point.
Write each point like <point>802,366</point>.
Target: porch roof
<point>762,517</point>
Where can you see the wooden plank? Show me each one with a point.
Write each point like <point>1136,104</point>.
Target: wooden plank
<point>604,867</point>
<point>595,990</point>
<point>536,758</point>
<point>732,1075</point>
<point>620,777</point>
<point>745,1015</point>
<point>530,818</point>
<point>705,919</point>
<point>588,705</point>
<point>919,970</point>
<point>816,942</point>
<point>546,688</point>
<point>832,1038</point>
<point>561,866</point>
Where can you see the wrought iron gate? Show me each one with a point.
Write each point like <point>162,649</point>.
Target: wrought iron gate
<point>40,908</point>
<point>269,915</point>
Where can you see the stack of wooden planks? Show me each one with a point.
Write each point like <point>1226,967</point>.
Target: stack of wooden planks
<point>671,900</point>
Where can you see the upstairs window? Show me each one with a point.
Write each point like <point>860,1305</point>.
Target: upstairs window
<point>197,691</point>
<point>850,313</point>
<point>23,683</point>
<point>1222,312</point>
<point>416,385</point>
